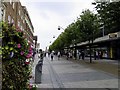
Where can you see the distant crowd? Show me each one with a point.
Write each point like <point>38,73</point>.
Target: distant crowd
<point>68,54</point>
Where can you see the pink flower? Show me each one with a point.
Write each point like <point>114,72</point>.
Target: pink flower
<point>30,51</point>
<point>30,86</point>
<point>30,48</point>
<point>18,29</point>
<point>29,55</point>
<point>18,45</point>
<point>21,53</point>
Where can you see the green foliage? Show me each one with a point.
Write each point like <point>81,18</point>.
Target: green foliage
<point>15,51</point>
<point>89,25</point>
<point>109,13</point>
<point>85,28</point>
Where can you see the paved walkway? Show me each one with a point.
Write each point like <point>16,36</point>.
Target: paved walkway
<point>69,74</point>
<point>110,66</point>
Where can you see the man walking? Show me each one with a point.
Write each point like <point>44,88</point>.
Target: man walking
<point>52,54</point>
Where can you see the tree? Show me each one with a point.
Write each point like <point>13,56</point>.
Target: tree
<point>84,29</point>
<point>109,13</point>
<point>88,27</point>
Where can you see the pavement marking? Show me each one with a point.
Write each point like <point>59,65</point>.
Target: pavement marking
<point>55,78</point>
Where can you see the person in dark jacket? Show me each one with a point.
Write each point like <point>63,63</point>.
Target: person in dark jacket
<point>82,55</point>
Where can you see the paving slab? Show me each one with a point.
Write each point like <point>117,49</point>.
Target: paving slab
<point>64,73</point>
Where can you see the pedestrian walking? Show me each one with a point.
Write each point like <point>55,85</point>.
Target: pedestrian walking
<point>95,55</point>
<point>101,54</point>
<point>79,54</point>
<point>44,54</point>
<point>52,54</point>
<point>70,54</point>
<point>58,54</point>
<point>67,55</point>
<point>83,55</point>
<point>48,54</point>
<point>41,54</point>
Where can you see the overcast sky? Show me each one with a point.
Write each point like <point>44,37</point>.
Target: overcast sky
<point>47,15</point>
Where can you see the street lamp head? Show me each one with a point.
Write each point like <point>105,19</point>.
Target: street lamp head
<point>93,3</point>
<point>58,27</point>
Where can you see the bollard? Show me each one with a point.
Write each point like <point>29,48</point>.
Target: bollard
<point>38,72</point>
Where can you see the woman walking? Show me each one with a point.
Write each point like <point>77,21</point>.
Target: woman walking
<point>58,54</point>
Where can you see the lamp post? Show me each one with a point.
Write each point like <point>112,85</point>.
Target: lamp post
<point>74,43</point>
<point>53,36</point>
<point>59,27</point>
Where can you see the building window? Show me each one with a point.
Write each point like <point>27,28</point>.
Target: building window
<point>4,13</point>
<point>18,24</point>
<point>10,1</point>
<point>1,14</point>
<point>13,5</point>
<point>12,21</point>
<point>9,18</point>
<point>23,21</point>
<point>22,17</point>
<point>21,27</point>
<point>19,12</point>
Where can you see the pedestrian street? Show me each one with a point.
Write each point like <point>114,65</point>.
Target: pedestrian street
<point>66,74</point>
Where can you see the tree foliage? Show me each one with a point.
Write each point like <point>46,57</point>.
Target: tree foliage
<point>89,25</point>
<point>85,28</point>
<point>109,13</point>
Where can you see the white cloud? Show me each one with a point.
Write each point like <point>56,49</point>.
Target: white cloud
<point>47,16</point>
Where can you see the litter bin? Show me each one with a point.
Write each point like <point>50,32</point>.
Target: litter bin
<point>38,72</point>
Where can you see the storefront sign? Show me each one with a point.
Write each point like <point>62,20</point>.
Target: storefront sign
<point>113,35</point>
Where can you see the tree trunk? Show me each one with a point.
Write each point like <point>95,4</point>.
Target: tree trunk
<point>90,55</point>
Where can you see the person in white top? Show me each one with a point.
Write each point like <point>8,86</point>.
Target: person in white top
<point>58,55</point>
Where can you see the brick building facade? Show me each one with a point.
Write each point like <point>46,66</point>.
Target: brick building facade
<point>14,12</point>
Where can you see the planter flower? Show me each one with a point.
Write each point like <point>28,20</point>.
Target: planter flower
<point>18,45</point>
<point>32,87</point>
<point>21,53</point>
<point>16,55</point>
